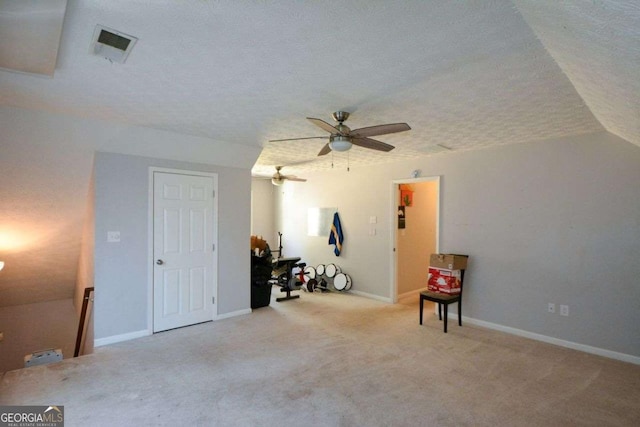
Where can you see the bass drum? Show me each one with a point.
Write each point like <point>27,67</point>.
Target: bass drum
<point>309,273</point>
<point>331,270</point>
<point>342,282</point>
<point>320,270</point>
<point>349,283</point>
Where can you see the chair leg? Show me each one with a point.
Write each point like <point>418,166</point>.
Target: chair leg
<point>439,312</point>
<point>421,308</point>
<point>459,313</point>
<point>446,315</point>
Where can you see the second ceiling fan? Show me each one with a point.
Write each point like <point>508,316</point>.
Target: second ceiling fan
<point>341,138</point>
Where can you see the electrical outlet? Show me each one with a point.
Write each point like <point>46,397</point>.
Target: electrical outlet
<point>551,308</point>
<point>564,310</point>
<point>113,236</point>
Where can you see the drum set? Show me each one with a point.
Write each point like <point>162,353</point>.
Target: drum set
<point>318,278</point>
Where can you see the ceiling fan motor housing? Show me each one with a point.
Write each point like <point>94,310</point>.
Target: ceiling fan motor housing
<point>343,129</point>
<point>340,116</point>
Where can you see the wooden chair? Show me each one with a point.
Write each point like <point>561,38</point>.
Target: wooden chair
<point>444,299</point>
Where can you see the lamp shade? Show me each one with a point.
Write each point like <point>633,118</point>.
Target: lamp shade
<point>340,143</point>
<point>1,265</point>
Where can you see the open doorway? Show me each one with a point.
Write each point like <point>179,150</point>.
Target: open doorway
<point>415,233</point>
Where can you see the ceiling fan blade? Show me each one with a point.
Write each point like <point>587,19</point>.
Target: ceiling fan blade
<point>324,125</point>
<point>372,144</point>
<point>293,178</point>
<point>297,139</point>
<point>380,129</point>
<point>325,150</point>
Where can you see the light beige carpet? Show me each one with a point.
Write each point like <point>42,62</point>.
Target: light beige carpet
<point>333,360</point>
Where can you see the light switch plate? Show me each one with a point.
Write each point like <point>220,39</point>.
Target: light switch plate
<point>373,219</point>
<point>113,236</point>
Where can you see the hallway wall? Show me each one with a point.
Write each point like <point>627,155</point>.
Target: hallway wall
<point>36,327</point>
<point>417,241</point>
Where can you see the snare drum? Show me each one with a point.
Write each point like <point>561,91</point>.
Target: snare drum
<point>331,270</point>
<point>309,273</point>
<point>320,270</point>
<point>342,282</point>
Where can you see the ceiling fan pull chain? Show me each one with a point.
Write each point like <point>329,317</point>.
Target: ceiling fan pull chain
<point>348,162</point>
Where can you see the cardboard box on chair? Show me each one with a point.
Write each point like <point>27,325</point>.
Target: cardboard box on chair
<point>448,261</point>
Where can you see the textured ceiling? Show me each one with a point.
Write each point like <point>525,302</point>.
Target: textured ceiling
<point>597,45</point>
<point>464,75</point>
<point>30,33</point>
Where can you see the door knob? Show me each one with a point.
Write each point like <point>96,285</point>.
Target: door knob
<point>159,262</point>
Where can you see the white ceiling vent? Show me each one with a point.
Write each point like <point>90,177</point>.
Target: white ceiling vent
<point>111,44</point>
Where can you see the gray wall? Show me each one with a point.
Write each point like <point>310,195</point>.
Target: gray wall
<point>262,211</point>
<point>121,269</point>
<point>555,221</point>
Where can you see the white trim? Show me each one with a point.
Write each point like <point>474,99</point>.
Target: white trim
<point>233,314</point>
<point>393,229</point>
<point>150,252</point>
<point>410,293</point>
<point>214,237</point>
<point>99,342</point>
<point>371,296</point>
<point>550,340</point>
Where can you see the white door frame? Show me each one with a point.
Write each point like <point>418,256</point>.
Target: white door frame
<point>214,238</point>
<point>394,226</point>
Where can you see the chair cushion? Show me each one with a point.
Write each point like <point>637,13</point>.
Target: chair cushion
<point>435,296</point>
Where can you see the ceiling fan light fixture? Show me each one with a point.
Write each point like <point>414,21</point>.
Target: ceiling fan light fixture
<point>277,181</point>
<point>340,143</point>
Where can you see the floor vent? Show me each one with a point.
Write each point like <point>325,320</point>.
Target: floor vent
<point>111,44</point>
<point>42,357</point>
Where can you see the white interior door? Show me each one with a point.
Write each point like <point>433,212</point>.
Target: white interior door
<point>183,248</point>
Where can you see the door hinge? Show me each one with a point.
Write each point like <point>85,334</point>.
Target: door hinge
<point>213,300</point>
<point>213,247</point>
<point>214,193</point>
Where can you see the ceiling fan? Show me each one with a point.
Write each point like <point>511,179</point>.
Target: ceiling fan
<point>342,138</point>
<point>278,178</point>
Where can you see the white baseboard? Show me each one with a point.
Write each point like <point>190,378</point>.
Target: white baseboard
<point>550,340</point>
<point>99,342</point>
<point>139,334</point>
<point>233,314</point>
<point>410,293</point>
<point>372,296</point>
